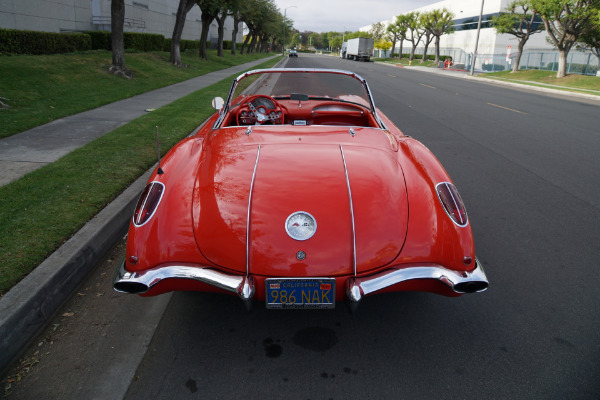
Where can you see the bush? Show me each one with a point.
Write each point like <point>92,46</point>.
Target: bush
<point>493,67</point>
<point>183,45</point>
<point>101,40</point>
<point>13,41</point>
<point>574,68</point>
<point>143,41</point>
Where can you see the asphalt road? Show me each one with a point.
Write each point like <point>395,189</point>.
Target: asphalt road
<point>527,168</point>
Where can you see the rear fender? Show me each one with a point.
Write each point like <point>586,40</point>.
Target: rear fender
<point>432,235</point>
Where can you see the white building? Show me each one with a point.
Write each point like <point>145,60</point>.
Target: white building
<point>148,16</point>
<point>461,43</point>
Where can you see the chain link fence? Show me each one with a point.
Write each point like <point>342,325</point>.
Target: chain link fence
<point>578,62</point>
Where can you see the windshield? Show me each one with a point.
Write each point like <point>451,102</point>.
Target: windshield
<point>302,84</point>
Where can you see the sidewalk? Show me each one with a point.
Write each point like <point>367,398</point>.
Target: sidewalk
<point>30,304</point>
<point>32,149</point>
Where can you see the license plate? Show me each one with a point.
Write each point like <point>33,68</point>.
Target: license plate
<point>308,293</point>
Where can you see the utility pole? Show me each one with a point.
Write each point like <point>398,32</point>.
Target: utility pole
<point>284,14</point>
<point>477,39</point>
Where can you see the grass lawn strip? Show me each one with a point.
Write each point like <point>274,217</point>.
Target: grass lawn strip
<point>40,89</point>
<point>42,210</point>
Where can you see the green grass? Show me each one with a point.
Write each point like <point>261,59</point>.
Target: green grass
<point>574,82</point>
<point>42,210</point>
<point>41,89</point>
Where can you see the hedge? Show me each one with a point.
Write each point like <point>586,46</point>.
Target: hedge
<point>493,67</point>
<point>573,68</point>
<point>32,42</point>
<point>183,45</point>
<point>14,41</point>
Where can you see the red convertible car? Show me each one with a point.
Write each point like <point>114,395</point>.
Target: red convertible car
<point>298,192</point>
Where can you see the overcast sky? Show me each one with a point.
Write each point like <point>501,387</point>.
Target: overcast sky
<point>335,15</point>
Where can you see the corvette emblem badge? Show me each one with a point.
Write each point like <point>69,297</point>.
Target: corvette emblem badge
<point>300,225</point>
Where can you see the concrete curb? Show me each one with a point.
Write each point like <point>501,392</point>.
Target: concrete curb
<point>28,306</point>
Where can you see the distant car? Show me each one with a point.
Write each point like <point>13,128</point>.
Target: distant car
<point>293,53</point>
<point>300,193</point>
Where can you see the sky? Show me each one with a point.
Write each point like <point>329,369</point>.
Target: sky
<point>337,15</point>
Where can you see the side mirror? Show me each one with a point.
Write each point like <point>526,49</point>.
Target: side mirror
<point>217,103</point>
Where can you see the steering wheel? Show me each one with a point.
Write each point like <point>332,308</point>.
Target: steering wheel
<point>259,109</point>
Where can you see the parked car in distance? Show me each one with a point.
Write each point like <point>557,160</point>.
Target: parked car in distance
<point>300,193</point>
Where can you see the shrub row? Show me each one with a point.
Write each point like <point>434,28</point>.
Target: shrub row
<point>13,41</point>
<point>493,67</point>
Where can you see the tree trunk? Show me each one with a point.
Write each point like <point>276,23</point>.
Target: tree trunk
<point>234,33</point>
<point>401,45</point>
<point>221,24</point>
<point>424,58</point>
<point>184,7</point>
<point>562,63</point>
<point>245,44</point>
<point>520,47</point>
<point>412,52</point>
<point>252,46</point>
<point>437,49</point>
<point>206,20</point>
<point>117,14</point>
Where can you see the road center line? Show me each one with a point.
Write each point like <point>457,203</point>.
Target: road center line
<point>422,84</point>
<point>506,108</point>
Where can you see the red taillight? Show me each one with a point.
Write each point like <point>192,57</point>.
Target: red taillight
<point>452,203</point>
<point>148,203</point>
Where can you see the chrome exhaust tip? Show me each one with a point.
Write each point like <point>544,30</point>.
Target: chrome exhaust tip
<point>124,286</point>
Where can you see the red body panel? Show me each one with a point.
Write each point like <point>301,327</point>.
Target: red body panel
<point>203,215</point>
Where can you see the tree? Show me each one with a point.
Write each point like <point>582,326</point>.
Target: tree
<point>413,23</point>
<point>223,14</point>
<point>591,40</point>
<point>439,23</point>
<point>335,43</point>
<point>383,44</point>
<point>237,18</point>
<point>565,21</point>
<point>403,22</point>
<point>426,21</point>
<point>377,31</point>
<point>117,15</point>
<point>396,31</point>
<point>184,7</point>
<point>210,9</point>
<point>519,22</point>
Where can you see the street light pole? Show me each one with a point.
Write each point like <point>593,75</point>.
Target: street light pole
<point>284,14</point>
<point>477,39</point>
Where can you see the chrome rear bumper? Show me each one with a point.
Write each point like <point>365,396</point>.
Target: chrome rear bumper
<point>458,281</point>
<point>356,288</point>
<point>141,282</point>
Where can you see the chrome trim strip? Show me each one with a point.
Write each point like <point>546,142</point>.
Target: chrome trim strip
<point>458,281</point>
<point>248,216</point>
<point>351,212</point>
<point>143,281</point>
